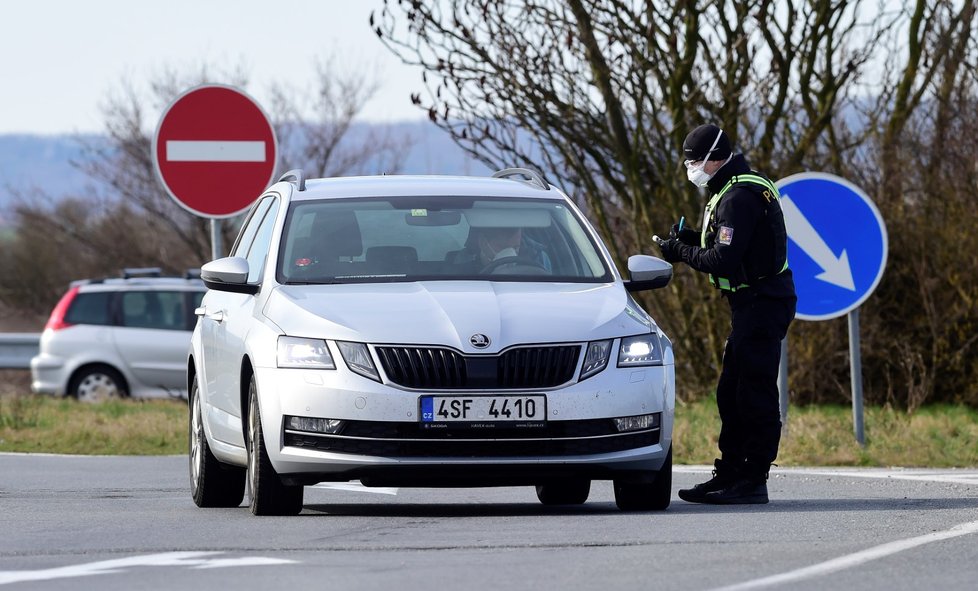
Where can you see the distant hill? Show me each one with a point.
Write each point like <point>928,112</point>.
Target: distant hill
<point>44,161</point>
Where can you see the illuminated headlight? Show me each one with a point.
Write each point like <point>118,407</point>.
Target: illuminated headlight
<point>313,425</point>
<point>640,350</point>
<point>304,353</point>
<point>637,423</point>
<point>596,358</point>
<point>357,358</point>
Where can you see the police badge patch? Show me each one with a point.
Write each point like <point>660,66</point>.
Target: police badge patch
<point>725,235</point>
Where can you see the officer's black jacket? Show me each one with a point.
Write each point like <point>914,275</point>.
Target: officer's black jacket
<point>748,258</point>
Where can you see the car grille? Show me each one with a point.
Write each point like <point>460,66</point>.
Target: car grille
<point>435,368</point>
<point>403,440</point>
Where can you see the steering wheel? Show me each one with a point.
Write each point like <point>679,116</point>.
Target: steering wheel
<point>518,261</point>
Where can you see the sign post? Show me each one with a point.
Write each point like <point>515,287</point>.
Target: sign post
<point>215,151</point>
<point>837,250</point>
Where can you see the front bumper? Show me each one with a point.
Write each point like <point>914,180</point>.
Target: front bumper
<point>384,444</point>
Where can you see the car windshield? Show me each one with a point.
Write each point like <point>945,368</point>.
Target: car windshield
<point>436,238</point>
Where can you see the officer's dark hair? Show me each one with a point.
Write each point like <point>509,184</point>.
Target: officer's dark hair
<point>699,142</point>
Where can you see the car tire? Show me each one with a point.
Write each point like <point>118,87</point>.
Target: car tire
<point>97,383</point>
<point>269,496</point>
<point>567,492</point>
<point>212,483</point>
<point>646,496</point>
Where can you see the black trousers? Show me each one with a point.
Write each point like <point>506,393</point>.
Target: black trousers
<point>747,393</point>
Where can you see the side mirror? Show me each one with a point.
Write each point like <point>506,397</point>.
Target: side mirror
<point>228,274</point>
<point>647,272</point>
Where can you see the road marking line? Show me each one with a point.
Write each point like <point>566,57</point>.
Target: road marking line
<point>104,567</point>
<point>215,151</point>
<point>855,559</point>
<point>969,477</point>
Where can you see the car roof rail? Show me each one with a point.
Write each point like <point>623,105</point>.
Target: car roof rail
<point>530,176</point>
<point>296,175</point>
<point>191,274</point>
<point>130,272</point>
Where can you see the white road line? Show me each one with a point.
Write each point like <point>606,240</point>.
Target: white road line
<point>104,567</point>
<point>855,559</point>
<point>951,476</point>
<point>215,151</point>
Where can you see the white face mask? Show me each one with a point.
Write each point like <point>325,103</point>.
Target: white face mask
<point>509,251</point>
<point>696,174</point>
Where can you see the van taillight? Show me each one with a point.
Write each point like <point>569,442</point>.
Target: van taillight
<point>57,319</point>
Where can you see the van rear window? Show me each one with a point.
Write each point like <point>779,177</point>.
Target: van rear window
<point>89,308</point>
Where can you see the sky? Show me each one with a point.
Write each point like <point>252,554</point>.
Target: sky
<point>60,60</point>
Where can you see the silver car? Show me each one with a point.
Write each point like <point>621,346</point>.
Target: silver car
<point>427,331</point>
<point>126,336</point>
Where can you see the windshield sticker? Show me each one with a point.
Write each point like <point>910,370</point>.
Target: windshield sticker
<point>419,213</point>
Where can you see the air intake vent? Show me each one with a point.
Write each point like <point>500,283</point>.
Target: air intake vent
<point>433,368</point>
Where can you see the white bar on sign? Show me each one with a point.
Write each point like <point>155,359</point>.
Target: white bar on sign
<point>209,151</point>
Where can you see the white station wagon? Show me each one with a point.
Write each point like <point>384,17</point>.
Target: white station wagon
<point>427,331</point>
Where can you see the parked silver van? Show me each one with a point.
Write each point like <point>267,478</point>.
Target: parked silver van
<point>126,336</point>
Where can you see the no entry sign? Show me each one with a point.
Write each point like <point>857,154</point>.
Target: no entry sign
<point>215,150</point>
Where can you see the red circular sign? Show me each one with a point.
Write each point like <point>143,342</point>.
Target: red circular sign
<point>215,151</point>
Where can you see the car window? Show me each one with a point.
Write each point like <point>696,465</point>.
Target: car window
<point>90,308</point>
<point>259,247</point>
<point>164,310</point>
<point>437,238</point>
<point>247,235</point>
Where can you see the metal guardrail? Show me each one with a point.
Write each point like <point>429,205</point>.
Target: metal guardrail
<point>17,348</point>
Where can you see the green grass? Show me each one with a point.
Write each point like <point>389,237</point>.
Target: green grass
<point>126,427</point>
<point>937,436</point>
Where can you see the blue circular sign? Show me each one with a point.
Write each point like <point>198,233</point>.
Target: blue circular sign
<point>837,243</point>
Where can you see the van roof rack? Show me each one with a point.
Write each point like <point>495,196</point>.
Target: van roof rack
<point>526,175</point>
<point>130,272</point>
<point>296,175</point>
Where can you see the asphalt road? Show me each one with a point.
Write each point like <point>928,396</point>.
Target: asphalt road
<point>129,522</point>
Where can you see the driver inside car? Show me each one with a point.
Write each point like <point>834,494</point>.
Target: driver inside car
<point>498,243</point>
<point>500,249</point>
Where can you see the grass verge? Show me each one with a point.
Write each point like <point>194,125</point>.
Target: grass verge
<point>30,423</point>
<point>937,436</point>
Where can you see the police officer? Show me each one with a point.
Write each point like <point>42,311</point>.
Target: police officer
<point>742,247</point>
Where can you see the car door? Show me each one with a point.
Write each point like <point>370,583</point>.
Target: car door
<point>152,338</point>
<point>226,322</point>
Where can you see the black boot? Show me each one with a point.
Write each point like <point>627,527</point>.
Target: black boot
<point>725,473</point>
<point>748,489</point>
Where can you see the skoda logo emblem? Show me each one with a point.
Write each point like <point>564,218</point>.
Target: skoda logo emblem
<point>479,341</point>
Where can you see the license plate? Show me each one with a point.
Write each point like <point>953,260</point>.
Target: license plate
<point>483,410</point>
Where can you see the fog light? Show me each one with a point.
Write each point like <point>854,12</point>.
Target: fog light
<point>314,425</point>
<point>637,423</point>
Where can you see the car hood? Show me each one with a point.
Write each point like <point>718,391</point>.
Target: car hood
<point>451,312</point>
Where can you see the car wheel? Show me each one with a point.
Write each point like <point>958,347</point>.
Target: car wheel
<point>269,496</point>
<point>568,492</point>
<point>212,483</point>
<point>97,383</point>
<point>645,496</point>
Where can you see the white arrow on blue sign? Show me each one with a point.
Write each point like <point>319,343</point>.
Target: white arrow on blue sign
<point>837,243</point>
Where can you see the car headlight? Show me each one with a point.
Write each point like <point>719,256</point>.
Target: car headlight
<point>596,358</point>
<point>644,349</point>
<point>357,358</point>
<point>304,353</point>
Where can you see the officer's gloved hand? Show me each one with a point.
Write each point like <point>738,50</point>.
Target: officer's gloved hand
<point>670,248</point>
<point>685,235</point>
